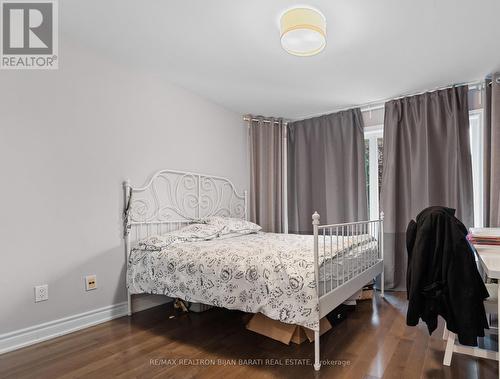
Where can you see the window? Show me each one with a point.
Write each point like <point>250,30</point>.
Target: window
<point>476,146</point>
<point>374,147</point>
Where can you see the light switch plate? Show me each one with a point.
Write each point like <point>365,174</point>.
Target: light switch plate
<point>90,282</point>
<point>41,293</point>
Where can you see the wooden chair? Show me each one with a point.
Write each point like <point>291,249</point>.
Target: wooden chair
<point>490,306</point>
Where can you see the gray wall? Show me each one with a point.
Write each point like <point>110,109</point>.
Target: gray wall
<point>68,139</point>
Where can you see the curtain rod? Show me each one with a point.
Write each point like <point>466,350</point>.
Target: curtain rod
<point>266,121</point>
<point>378,104</point>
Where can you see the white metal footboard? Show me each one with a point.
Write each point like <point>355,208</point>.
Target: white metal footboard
<point>346,258</point>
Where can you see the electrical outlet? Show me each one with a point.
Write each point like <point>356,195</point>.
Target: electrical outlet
<point>90,282</point>
<point>41,293</point>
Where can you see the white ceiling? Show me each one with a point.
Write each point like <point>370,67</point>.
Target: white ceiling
<point>229,50</point>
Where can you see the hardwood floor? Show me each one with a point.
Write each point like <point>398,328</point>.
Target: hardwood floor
<point>373,342</point>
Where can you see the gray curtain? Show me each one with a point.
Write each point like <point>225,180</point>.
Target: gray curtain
<point>326,170</point>
<point>266,173</point>
<point>427,161</point>
<point>492,152</point>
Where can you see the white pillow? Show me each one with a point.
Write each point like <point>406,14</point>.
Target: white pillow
<point>188,233</point>
<point>198,231</point>
<point>229,225</point>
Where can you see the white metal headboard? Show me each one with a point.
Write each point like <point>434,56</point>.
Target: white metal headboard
<point>172,199</point>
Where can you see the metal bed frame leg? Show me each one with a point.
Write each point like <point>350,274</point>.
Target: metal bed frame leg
<point>129,304</point>
<point>126,187</point>
<point>382,284</point>
<point>317,364</point>
<point>381,246</point>
<point>315,218</point>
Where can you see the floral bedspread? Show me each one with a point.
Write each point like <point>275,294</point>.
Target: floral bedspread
<point>261,272</point>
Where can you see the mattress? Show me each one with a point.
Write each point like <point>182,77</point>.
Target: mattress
<point>261,272</point>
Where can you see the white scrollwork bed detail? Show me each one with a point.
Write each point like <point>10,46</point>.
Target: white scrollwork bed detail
<point>177,197</point>
<point>340,259</point>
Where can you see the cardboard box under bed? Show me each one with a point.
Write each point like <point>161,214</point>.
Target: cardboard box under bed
<point>283,332</point>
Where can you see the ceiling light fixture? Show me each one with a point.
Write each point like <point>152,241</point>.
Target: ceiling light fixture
<point>303,31</point>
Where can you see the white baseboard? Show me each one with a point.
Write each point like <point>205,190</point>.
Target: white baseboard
<point>52,329</point>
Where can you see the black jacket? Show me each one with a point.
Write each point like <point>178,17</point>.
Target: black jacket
<point>442,277</point>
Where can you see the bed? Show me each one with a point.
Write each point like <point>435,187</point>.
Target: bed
<point>297,279</point>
